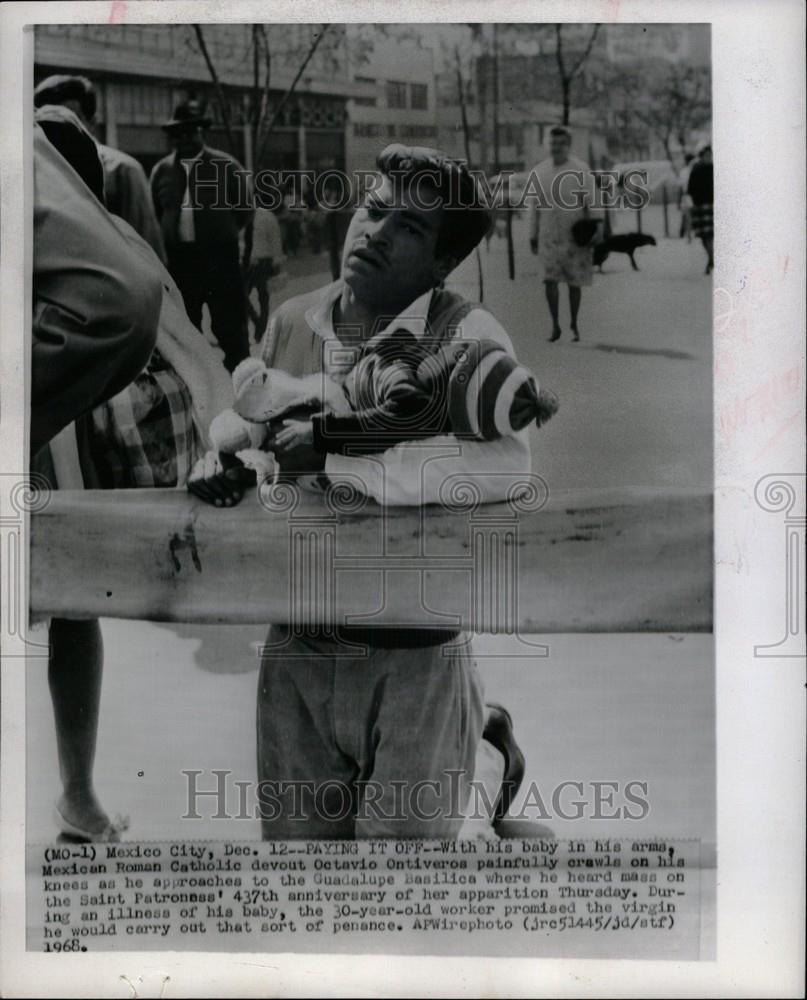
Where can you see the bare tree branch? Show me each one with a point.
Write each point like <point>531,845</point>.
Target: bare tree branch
<point>559,50</point>
<point>586,53</point>
<point>225,111</point>
<point>279,109</point>
<point>466,133</point>
<point>264,104</point>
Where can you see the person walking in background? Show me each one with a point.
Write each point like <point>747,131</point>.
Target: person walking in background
<point>126,189</point>
<point>684,201</point>
<point>264,268</point>
<point>337,222</point>
<point>701,190</point>
<point>290,215</point>
<point>570,200</point>
<point>202,200</point>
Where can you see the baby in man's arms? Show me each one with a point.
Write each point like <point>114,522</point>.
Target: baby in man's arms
<point>393,388</point>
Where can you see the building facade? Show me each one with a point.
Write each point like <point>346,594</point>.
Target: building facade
<point>400,106</point>
<point>513,93</point>
<point>143,71</point>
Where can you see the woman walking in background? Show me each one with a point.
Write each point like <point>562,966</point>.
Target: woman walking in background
<point>701,190</point>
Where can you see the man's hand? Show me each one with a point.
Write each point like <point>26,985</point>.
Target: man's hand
<point>295,434</point>
<point>534,244</point>
<point>220,479</point>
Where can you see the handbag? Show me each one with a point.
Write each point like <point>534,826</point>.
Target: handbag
<point>583,231</point>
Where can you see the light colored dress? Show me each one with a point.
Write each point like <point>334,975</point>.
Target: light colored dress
<point>559,203</point>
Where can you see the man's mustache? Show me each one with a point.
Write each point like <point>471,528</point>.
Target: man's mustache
<point>363,248</point>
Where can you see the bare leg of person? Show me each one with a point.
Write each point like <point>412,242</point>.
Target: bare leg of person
<point>708,244</point>
<point>552,297</point>
<point>575,294</point>
<point>74,676</point>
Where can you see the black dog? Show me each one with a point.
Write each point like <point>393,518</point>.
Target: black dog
<point>621,243</point>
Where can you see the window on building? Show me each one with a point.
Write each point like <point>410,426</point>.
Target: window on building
<point>365,102</point>
<point>396,94</point>
<point>419,96</point>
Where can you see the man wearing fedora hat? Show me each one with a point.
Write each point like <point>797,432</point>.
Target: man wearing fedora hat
<point>202,200</point>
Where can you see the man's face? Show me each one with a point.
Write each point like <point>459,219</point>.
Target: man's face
<point>389,254</point>
<point>188,142</point>
<point>559,147</point>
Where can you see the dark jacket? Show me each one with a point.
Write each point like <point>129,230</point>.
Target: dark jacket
<point>95,306</point>
<point>126,188</point>
<point>220,196</point>
<point>701,183</point>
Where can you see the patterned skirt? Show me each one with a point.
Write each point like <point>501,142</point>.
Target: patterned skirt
<point>702,220</point>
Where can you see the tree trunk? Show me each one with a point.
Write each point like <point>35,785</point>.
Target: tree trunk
<point>286,97</point>
<point>225,111</point>
<point>466,135</point>
<point>567,88</point>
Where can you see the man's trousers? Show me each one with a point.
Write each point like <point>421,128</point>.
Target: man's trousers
<point>211,275</point>
<point>375,745</point>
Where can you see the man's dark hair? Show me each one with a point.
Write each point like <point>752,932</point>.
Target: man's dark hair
<point>467,218</point>
<point>60,89</point>
<point>561,131</point>
<point>64,130</point>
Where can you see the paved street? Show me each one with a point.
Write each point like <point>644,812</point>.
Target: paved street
<point>637,390</point>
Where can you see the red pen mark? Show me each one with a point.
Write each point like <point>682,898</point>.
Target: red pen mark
<point>117,12</point>
<point>770,400</point>
<point>797,419</point>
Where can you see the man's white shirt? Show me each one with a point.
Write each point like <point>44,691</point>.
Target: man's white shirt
<point>186,228</point>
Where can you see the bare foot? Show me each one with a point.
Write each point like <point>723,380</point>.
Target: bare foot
<point>83,811</point>
<point>555,334</point>
<point>575,334</point>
